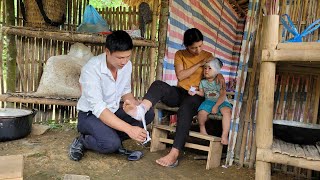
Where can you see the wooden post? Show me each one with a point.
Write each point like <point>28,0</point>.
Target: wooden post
<point>153,38</point>
<point>163,27</point>
<point>12,53</point>
<point>264,133</point>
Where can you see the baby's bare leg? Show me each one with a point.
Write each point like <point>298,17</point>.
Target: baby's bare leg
<point>226,119</point>
<point>202,118</point>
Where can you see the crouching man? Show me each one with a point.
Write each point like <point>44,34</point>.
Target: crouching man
<point>102,122</point>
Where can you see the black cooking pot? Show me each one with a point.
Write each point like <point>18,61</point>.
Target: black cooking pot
<point>296,132</point>
<point>15,123</point>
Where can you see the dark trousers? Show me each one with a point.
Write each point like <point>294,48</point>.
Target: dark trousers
<point>176,96</point>
<point>99,137</point>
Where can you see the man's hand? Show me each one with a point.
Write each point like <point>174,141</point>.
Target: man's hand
<point>220,80</point>
<point>137,133</point>
<point>214,110</point>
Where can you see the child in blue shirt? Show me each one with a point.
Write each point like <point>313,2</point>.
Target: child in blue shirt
<point>216,101</point>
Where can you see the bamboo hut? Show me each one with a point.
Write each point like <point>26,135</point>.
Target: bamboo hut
<point>271,80</point>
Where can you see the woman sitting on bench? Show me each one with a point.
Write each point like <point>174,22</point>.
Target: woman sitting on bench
<point>189,71</point>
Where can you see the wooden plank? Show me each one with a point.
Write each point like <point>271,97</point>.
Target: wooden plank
<point>311,152</point>
<point>214,155</point>
<point>155,139</point>
<point>11,167</point>
<point>290,55</point>
<point>267,155</point>
<point>276,148</point>
<point>8,98</point>
<point>318,146</point>
<point>299,150</point>
<point>299,46</point>
<point>75,177</point>
<point>69,36</point>
<point>188,145</point>
<point>191,133</point>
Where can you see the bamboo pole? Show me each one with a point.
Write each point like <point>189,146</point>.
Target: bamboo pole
<point>163,26</point>
<point>68,36</point>
<point>247,118</point>
<point>264,133</point>
<point>291,55</point>
<point>153,38</point>
<point>11,46</point>
<point>316,102</point>
<point>266,155</point>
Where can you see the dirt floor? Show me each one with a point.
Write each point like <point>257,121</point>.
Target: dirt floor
<point>46,157</point>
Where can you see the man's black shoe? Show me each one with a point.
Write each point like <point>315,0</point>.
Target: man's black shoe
<point>76,150</point>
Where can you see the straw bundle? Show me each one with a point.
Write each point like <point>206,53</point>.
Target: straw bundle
<point>54,11</point>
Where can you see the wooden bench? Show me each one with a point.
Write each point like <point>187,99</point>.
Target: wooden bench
<point>160,137</point>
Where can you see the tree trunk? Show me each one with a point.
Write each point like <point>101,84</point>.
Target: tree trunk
<point>12,51</point>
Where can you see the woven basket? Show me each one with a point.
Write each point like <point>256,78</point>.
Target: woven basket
<point>55,10</point>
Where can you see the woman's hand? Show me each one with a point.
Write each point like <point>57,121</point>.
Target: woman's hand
<point>204,61</point>
<point>192,93</point>
<point>220,80</point>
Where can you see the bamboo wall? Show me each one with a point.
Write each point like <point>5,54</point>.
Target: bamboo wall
<point>123,18</point>
<point>297,88</point>
<point>33,52</point>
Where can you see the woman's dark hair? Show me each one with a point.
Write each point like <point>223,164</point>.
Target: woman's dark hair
<point>119,41</point>
<point>191,36</point>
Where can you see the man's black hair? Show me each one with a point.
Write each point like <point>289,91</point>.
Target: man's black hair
<point>119,41</point>
<point>191,36</point>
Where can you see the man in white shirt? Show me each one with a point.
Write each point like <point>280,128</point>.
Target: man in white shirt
<point>105,80</point>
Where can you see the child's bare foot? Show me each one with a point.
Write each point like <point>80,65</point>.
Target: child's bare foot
<point>203,130</point>
<point>170,159</point>
<point>224,140</point>
<point>130,108</point>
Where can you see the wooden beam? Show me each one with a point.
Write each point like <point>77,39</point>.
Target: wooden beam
<point>238,7</point>
<point>290,55</point>
<point>267,155</point>
<point>68,36</point>
<point>299,46</point>
<point>192,133</point>
<point>298,70</point>
<point>8,98</point>
<point>188,145</point>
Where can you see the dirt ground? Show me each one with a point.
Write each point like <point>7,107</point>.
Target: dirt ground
<point>46,157</point>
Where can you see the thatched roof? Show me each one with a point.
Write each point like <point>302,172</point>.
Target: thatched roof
<point>241,6</point>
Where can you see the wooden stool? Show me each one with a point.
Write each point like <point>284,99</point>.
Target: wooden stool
<point>11,167</point>
<point>160,134</point>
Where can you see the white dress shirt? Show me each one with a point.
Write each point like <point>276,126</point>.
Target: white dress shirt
<point>99,89</point>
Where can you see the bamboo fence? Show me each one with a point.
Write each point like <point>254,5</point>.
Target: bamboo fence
<point>122,18</point>
<point>36,46</point>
